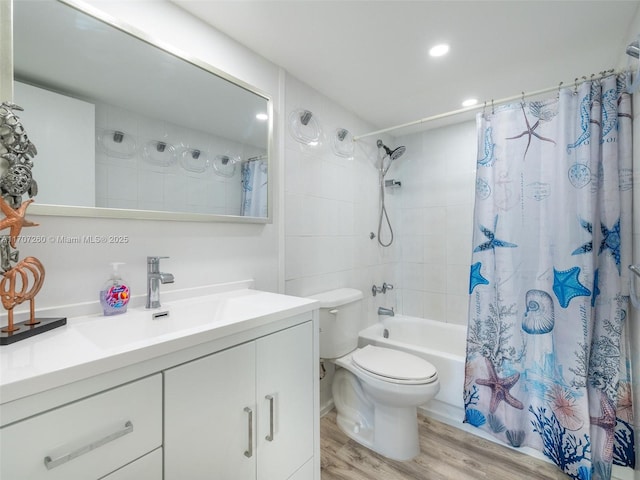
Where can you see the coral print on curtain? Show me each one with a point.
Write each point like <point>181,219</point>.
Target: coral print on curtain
<point>547,354</point>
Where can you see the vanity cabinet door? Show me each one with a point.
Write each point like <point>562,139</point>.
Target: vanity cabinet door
<point>285,398</point>
<point>210,417</point>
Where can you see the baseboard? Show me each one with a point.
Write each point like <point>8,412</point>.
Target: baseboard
<point>326,408</point>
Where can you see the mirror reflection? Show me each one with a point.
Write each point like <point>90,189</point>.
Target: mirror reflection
<point>122,124</point>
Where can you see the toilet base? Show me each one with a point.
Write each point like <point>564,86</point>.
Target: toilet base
<point>395,434</point>
<point>390,431</point>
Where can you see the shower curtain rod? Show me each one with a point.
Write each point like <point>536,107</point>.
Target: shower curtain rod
<point>488,104</point>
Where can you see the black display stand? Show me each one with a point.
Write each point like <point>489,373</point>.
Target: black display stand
<point>26,331</point>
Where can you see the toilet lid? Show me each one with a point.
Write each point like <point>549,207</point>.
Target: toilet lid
<point>394,364</point>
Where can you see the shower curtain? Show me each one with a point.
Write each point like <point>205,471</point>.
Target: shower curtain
<point>547,355</point>
<point>254,188</point>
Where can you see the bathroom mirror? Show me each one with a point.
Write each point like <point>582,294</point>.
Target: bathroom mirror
<point>129,129</point>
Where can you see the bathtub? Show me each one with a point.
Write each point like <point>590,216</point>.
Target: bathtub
<point>441,344</point>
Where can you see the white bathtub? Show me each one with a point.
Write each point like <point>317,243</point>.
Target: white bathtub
<point>441,344</point>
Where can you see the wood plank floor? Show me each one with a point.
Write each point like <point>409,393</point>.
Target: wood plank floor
<point>447,453</point>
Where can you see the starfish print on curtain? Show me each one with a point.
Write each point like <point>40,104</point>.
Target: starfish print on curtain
<point>546,365</point>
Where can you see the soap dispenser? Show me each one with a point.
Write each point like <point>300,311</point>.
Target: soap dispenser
<point>115,293</point>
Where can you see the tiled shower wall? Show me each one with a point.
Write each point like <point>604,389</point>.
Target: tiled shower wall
<point>434,221</point>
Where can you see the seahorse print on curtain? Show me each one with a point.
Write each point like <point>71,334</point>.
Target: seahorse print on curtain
<point>547,353</point>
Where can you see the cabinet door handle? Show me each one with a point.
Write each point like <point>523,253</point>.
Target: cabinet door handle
<point>269,438</point>
<point>249,452</point>
<point>55,462</point>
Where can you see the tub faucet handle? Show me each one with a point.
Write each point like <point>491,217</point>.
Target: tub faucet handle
<point>386,286</point>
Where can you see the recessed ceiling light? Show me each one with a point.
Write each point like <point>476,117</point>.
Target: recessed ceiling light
<point>469,102</point>
<point>439,50</point>
<point>262,116</point>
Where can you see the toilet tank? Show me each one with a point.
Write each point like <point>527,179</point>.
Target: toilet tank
<point>340,321</point>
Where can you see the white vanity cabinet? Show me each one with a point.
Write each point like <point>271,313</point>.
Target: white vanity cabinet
<point>245,413</point>
<point>226,387</point>
<point>86,439</point>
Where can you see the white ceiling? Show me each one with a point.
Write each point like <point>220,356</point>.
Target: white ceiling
<point>371,56</point>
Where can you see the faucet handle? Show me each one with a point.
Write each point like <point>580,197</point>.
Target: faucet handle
<point>154,259</point>
<point>386,286</point>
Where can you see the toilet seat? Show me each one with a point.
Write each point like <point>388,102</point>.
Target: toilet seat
<point>394,366</point>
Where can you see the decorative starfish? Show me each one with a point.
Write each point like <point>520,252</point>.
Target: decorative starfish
<point>587,247</point>
<point>493,242</point>
<point>607,421</point>
<point>476,277</point>
<point>530,131</point>
<point>15,219</point>
<point>611,241</point>
<point>566,285</point>
<point>500,388</point>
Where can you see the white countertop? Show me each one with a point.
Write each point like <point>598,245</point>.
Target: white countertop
<point>93,344</point>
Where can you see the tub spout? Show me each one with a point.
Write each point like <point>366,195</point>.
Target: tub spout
<point>386,311</point>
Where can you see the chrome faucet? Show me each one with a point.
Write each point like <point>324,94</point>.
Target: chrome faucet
<point>386,311</point>
<point>154,278</point>
<point>383,289</point>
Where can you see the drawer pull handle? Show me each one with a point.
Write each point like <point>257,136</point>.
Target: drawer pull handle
<point>249,452</point>
<point>269,438</point>
<point>55,462</point>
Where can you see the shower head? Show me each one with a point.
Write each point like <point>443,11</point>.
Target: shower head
<point>397,152</point>
<point>393,154</point>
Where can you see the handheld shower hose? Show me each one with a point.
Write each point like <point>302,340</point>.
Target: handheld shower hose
<point>393,155</point>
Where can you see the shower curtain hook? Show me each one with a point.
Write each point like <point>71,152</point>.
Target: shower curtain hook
<point>484,109</point>
<point>493,111</point>
<point>575,86</point>
<point>559,88</point>
<point>522,99</point>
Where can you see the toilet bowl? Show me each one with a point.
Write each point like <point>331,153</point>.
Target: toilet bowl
<point>376,390</point>
<point>379,409</point>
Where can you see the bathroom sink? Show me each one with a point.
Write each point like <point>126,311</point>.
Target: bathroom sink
<point>140,325</point>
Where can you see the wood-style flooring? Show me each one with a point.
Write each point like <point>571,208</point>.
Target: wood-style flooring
<point>447,453</point>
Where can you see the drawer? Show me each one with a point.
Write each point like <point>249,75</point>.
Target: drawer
<point>87,439</point>
<point>148,467</point>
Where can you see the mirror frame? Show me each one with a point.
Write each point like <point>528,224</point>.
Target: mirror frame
<point>6,24</point>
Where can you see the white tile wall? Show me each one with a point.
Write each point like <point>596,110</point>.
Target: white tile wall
<point>331,206</point>
<point>434,219</point>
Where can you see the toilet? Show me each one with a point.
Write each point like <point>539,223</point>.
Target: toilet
<point>376,390</point>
